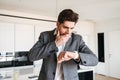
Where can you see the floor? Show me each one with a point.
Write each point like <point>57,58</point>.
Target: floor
<point>29,73</point>
<point>102,77</point>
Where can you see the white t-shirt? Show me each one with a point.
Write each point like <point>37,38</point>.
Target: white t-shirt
<point>59,71</point>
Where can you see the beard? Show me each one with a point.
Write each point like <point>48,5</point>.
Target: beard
<point>66,35</point>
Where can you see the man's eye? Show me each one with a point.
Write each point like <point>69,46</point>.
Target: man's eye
<point>64,27</point>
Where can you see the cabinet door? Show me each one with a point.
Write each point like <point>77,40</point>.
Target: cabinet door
<point>6,37</point>
<point>24,37</point>
<point>6,42</point>
<point>43,26</point>
<point>86,75</point>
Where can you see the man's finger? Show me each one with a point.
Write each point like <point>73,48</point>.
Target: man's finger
<point>58,33</point>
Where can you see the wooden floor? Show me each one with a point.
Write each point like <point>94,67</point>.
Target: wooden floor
<point>102,77</point>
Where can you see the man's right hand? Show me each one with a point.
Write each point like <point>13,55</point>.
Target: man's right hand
<point>61,39</point>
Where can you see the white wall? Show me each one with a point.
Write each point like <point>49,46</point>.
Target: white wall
<point>87,30</point>
<point>106,26</point>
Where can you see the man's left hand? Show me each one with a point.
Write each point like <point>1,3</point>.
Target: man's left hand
<point>66,55</point>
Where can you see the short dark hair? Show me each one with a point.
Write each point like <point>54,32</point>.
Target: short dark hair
<point>68,15</point>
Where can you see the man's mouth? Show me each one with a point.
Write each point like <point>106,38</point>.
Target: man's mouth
<point>66,34</point>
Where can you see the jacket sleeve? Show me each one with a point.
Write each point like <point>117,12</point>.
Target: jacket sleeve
<point>87,57</point>
<point>43,48</point>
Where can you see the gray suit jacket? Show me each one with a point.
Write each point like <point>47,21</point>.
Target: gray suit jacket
<point>46,49</point>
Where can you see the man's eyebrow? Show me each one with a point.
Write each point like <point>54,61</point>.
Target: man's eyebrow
<point>65,26</point>
<point>68,27</point>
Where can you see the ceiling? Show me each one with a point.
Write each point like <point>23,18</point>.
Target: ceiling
<point>94,10</point>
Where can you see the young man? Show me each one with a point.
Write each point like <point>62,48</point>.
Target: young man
<point>61,50</point>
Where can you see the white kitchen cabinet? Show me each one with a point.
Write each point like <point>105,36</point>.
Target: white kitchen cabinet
<point>24,37</point>
<point>6,37</point>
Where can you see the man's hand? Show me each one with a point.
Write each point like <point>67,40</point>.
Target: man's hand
<point>65,56</point>
<point>61,39</point>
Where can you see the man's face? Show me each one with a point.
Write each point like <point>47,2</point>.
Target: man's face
<point>66,27</point>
